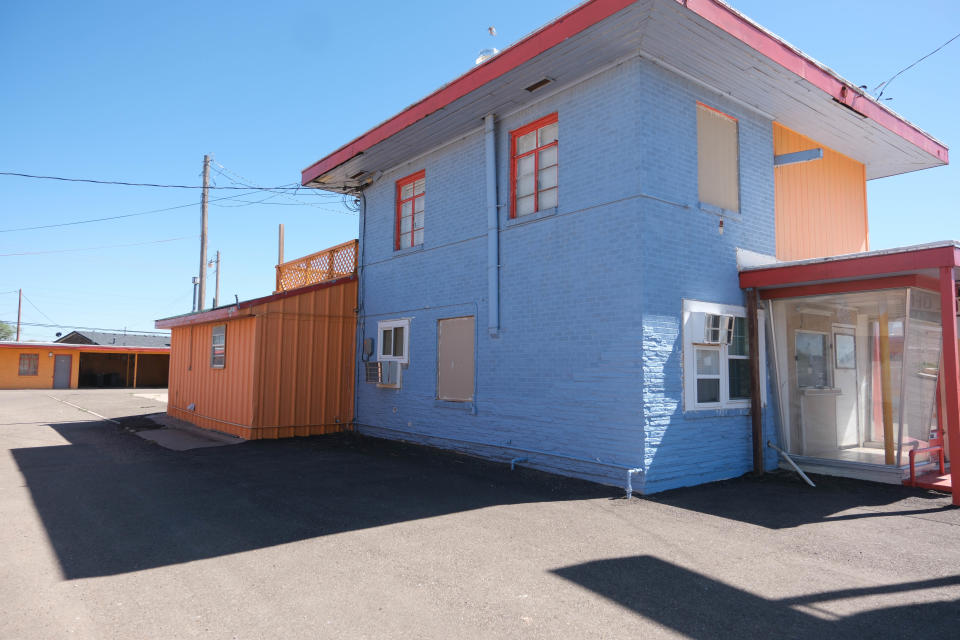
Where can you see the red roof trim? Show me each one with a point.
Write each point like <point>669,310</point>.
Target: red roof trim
<point>86,348</point>
<point>234,311</point>
<point>578,19</point>
<point>853,267</point>
<point>850,286</point>
<point>592,12</point>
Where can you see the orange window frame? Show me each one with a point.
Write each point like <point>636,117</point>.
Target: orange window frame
<point>412,200</point>
<point>515,135</point>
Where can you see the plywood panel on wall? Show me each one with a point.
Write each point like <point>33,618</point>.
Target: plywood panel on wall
<point>821,206</point>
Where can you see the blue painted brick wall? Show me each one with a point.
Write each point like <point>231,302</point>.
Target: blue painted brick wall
<point>587,361</point>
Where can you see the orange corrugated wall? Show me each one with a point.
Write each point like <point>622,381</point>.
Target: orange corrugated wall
<point>307,359</point>
<point>223,398</point>
<point>821,206</point>
<point>289,368</point>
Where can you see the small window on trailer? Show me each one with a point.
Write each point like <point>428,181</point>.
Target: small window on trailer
<point>218,347</point>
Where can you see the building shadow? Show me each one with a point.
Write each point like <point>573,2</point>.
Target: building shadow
<point>112,502</point>
<point>706,609</point>
<point>780,500</point>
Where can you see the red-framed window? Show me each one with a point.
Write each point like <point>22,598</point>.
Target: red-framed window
<point>534,166</point>
<point>411,194</point>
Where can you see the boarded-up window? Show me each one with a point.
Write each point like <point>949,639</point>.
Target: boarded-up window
<point>29,364</point>
<point>718,164</point>
<point>455,347</point>
<point>218,347</point>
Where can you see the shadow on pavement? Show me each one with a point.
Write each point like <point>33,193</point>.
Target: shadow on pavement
<point>700,607</point>
<point>781,501</point>
<point>113,503</point>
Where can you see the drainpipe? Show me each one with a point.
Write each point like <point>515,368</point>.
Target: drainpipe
<point>493,228</point>
<point>756,406</point>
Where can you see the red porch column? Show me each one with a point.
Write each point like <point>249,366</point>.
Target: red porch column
<point>951,372</point>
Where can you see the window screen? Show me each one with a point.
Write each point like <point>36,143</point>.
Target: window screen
<point>718,165</point>
<point>455,359</point>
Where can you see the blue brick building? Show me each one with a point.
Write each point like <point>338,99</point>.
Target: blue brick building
<point>548,242</point>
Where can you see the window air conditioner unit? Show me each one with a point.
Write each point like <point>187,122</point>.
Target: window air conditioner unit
<point>373,373</point>
<point>385,374</point>
<point>717,329</point>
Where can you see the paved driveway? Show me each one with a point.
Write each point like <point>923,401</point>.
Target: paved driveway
<point>107,535</point>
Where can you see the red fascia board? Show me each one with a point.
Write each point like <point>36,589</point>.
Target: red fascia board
<point>245,308</point>
<point>852,286</point>
<point>85,348</point>
<point>778,51</point>
<point>854,267</point>
<point>582,17</point>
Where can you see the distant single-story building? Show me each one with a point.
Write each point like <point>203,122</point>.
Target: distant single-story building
<point>54,365</point>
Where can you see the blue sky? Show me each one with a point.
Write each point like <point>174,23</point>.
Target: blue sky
<point>139,92</point>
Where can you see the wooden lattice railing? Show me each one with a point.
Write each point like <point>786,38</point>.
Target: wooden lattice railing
<point>329,264</point>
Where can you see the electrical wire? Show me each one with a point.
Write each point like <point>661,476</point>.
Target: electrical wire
<point>125,215</point>
<point>886,84</point>
<point>111,246</point>
<point>38,309</point>
<point>73,328</point>
<point>286,187</point>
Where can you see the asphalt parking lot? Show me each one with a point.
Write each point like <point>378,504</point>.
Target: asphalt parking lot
<point>108,535</point>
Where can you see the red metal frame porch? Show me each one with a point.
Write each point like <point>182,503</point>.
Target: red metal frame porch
<point>931,266</point>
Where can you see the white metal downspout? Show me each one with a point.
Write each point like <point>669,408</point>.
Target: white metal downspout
<point>493,228</point>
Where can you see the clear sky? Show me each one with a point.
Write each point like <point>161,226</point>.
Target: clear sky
<point>138,92</point>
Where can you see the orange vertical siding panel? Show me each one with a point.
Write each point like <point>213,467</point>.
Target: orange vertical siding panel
<point>308,362</point>
<point>222,398</point>
<point>821,206</point>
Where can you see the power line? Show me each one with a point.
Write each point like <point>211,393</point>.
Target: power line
<point>110,246</point>
<point>74,328</point>
<point>886,84</point>
<point>286,187</point>
<point>38,309</point>
<point>125,215</point>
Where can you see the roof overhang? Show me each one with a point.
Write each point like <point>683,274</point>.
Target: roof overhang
<point>914,266</point>
<point>244,308</point>
<point>746,63</point>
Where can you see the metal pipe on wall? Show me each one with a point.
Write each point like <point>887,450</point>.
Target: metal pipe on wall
<point>493,226</point>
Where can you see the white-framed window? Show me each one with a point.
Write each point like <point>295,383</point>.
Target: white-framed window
<point>716,356</point>
<point>394,340</point>
<point>218,347</point>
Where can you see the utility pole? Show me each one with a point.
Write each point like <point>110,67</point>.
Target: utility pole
<point>216,292</point>
<point>203,234</point>
<point>19,310</point>
<point>280,247</point>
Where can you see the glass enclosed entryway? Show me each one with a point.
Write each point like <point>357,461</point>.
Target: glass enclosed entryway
<point>857,374</point>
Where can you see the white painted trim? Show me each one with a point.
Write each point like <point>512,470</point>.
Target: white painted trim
<point>690,343</point>
<point>392,324</point>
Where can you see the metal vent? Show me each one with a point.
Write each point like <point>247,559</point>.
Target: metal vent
<point>373,372</point>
